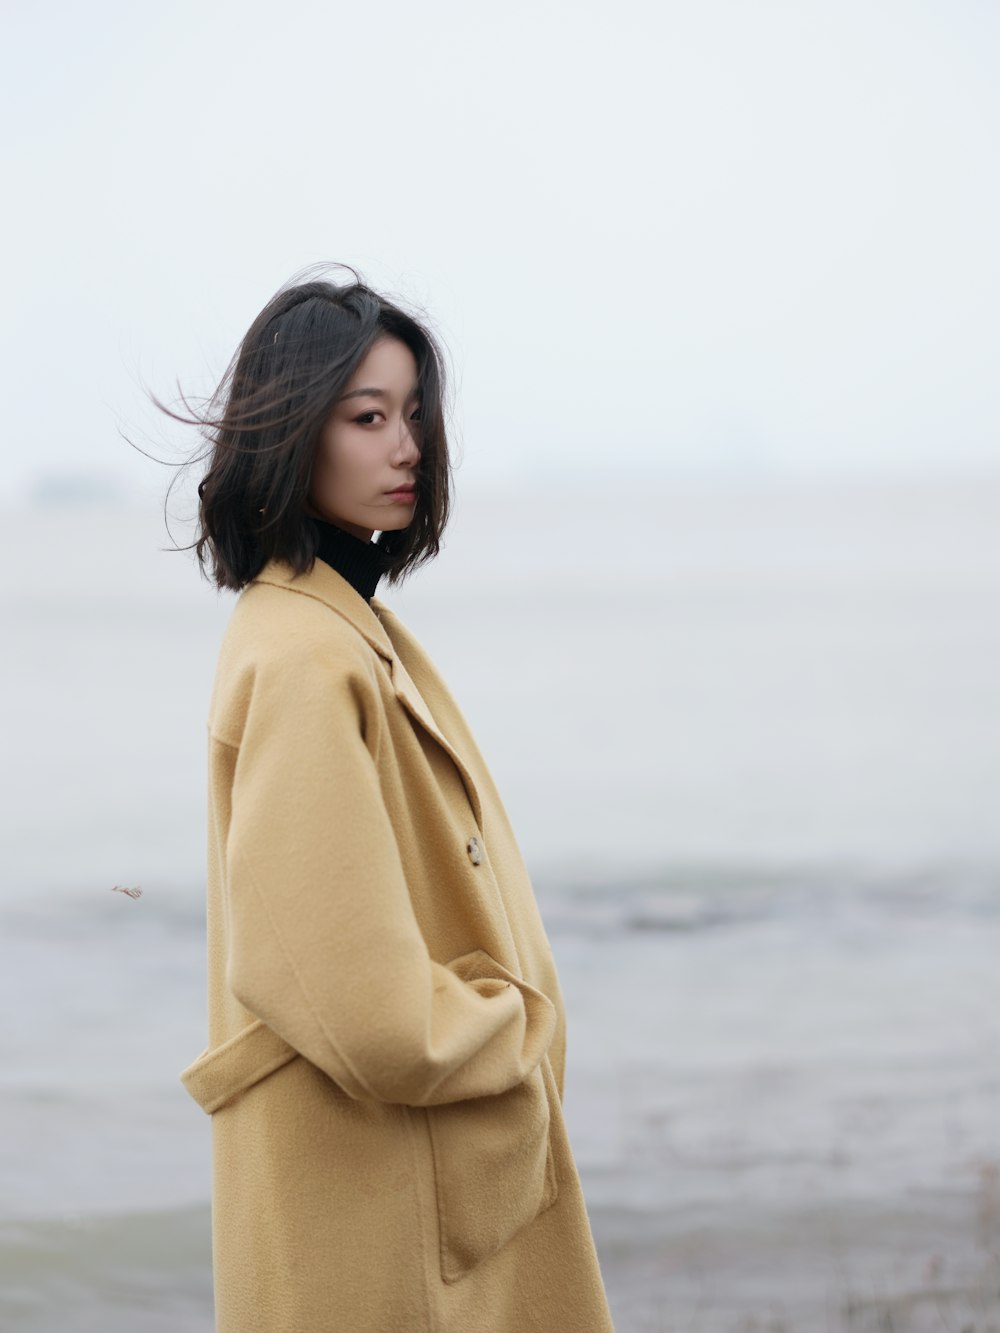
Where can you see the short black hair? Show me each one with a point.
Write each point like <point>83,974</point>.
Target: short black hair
<point>265,419</point>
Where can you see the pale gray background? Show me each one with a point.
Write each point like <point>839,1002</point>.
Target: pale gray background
<point>711,237</point>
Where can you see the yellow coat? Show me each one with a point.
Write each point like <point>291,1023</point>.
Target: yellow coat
<point>386,1031</point>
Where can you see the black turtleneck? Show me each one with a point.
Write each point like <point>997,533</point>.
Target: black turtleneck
<point>361,563</point>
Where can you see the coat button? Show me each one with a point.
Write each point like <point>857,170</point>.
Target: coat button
<point>475,852</point>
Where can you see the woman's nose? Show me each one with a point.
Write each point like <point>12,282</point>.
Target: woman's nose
<point>409,443</point>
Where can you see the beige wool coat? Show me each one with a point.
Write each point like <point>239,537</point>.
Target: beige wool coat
<point>386,1032</point>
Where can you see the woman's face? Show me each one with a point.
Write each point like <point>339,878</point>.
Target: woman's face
<point>368,446</point>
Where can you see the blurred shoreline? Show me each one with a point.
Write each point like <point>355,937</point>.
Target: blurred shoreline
<point>798,1134</point>
<point>921,1264</point>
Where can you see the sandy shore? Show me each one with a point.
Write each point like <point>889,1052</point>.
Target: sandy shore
<point>930,1262</point>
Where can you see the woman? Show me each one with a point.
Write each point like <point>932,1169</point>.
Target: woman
<point>386,1032</point>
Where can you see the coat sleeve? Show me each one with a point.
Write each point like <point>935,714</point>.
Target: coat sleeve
<point>324,945</point>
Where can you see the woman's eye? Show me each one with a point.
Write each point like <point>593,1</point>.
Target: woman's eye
<point>366,417</point>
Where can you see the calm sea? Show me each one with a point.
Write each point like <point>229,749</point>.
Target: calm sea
<point>749,738</point>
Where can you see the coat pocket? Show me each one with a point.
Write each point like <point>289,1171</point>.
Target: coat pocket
<point>494,1170</point>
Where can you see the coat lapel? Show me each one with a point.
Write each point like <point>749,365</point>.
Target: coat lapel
<point>413,701</point>
<point>328,586</point>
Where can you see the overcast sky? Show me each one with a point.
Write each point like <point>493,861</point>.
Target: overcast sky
<point>711,238</point>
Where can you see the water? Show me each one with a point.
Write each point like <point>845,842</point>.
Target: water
<point>766,729</point>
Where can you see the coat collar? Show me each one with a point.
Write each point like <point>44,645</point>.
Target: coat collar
<point>329,586</point>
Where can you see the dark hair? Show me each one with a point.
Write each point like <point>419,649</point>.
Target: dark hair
<point>266,415</point>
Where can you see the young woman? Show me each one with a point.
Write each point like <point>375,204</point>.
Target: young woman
<point>386,1032</point>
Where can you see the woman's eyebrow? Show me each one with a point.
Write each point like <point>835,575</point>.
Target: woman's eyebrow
<point>374,393</point>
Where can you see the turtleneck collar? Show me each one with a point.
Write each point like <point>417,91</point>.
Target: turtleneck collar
<point>361,563</point>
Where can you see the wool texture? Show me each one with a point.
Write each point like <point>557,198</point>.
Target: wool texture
<point>386,1031</point>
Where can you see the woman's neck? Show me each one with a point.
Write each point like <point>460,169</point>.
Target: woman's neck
<point>361,563</point>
